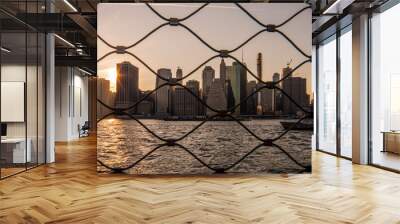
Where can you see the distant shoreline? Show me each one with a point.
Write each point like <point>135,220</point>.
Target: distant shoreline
<point>202,118</point>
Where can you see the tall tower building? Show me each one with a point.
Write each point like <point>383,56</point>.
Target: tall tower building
<point>185,104</point>
<point>127,85</point>
<point>251,101</point>
<point>192,104</point>
<point>277,98</point>
<point>259,108</point>
<point>208,77</point>
<point>237,76</point>
<point>163,97</point>
<point>105,95</point>
<point>179,74</point>
<point>230,98</point>
<point>222,72</point>
<point>296,88</point>
<point>259,65</point>
<point>216,97</point>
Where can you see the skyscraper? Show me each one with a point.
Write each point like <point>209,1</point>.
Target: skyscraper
<point>238,81</point>
<point>179,101</point>
<point>163,97</point>
<point>179,74</point>
<point>127,85</point>
<point>259,109</point>
<point>216,97</point>
<point>192,104</point>
<point>267,101</point>
<point>207,77</point>
<point>222,72</point>
<point>185,104</point>
<point>251,101</point>
<point>105,95</point>
<point>230,98</point>
<point>259,66</point>
<point>277,100</point>
<point>296,88</point>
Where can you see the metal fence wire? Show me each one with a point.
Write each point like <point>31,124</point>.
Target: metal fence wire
<point>169,142</point>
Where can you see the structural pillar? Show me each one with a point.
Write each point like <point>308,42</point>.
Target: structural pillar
<point>50,92</point>
<point>360,89</point>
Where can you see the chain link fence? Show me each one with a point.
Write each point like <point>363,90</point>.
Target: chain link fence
<point>228,113</point>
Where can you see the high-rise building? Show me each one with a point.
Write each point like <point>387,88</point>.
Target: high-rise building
<point>208,77</point>
<point>296,88</point>
<point>105,95</point>
<point>192,103</point>
<point>259,109</point>
<point>179,74</point>
<point>216,97</point>
<point>267,101</point>
<point>185,104</point>
<point>163,98</point>
<point>127,85</point>
<point>252,101</point>
<point>277,100</point>
<point>259,66</point>
<point>238,81</point>
<point>222,72</point>
<point>179,101</point>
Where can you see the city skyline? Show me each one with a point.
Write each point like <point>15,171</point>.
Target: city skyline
<point>218,93</point>
<point>112,77</point>
<point>172,52</point>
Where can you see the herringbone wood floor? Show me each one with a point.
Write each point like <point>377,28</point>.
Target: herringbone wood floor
<point>70,191</point>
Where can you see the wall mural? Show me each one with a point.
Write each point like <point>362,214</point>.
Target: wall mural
<point>188,88</point>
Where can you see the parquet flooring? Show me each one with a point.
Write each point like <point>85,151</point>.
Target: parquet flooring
<point>70,191</point>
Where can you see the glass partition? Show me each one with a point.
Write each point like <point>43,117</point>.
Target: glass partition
<point>385,89</point>
<point>346,93</point>
<point>22,92</point>
<point>327,95</point>
<point>13,115</point>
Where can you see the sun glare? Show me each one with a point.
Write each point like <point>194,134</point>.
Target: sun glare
<point>112,76</point>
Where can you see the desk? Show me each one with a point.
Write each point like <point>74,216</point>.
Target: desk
<point>391,141</point>
<point>16,147</point>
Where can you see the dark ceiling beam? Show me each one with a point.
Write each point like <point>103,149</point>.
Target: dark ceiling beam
<point>49,22</point>
<point>83,23</point>
<point>77,61</point>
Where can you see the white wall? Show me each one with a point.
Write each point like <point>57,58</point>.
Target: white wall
<point>71,103</point>
<point>33,127</point>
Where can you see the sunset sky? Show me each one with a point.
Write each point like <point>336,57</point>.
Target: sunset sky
<point>222,25</point>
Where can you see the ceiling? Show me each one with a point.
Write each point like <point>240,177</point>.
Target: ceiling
<point>75,22</point>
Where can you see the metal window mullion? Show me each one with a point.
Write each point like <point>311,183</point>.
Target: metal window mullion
<point>338,95</point>
<point>26,87</point>
<point>369,78</point>
<point>316,100</point>
<point>37,91</point>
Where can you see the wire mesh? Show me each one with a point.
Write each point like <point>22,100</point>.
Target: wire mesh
<point>228,113</point>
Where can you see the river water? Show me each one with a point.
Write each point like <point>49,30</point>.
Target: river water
<point>121,142</point>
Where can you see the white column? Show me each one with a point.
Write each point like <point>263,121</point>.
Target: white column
<point>50,100</point>
<point>360,90</point>
<point>50,92</point>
